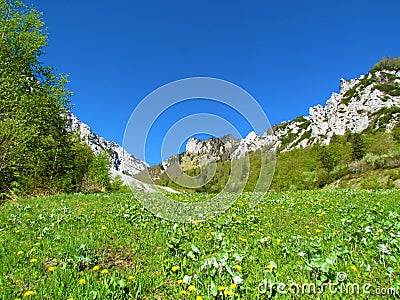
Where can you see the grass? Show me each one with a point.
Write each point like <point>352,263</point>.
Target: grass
<point>105,246</point>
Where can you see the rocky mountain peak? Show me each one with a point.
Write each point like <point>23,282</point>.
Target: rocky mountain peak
<point>122,162</point>
<point>370,101</point>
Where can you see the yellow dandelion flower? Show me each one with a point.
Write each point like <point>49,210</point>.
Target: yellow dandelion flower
<point>270,267</point>
<point>95,268</point>
<point>191,288</point>
<point>232,286</point>
<point>28,293</point>
<point>354,268</point>
<point>33,260</point>
<point>81,281</point>
<point>221,288</point>
<point>183,293</point>
<point>70,299</point>
<point>278,240</point>
<point>238,267</point>
<point>199,298</point>
<point>51,269</point>
<point>180,281</point>
<point>228,293</point>
<point>20,252</point>
<point>131,277</point>
<point>174,268</point>
<point>104,271</point>
<point>318,230</point>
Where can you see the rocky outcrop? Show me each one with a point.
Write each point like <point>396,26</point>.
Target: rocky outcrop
<point>360,104</point>
<point>122,162</point>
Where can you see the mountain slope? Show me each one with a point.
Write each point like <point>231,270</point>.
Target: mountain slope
<point>122,163</point>
<point>365,105</point>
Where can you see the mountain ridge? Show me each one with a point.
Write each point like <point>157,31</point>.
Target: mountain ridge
<point>367,103</point>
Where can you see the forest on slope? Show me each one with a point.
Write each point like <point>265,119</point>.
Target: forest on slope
<point>38,155</point>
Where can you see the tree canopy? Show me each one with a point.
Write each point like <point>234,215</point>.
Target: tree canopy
<point>37,152</point>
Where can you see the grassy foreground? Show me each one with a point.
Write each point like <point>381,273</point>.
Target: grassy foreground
<point>343,244</point>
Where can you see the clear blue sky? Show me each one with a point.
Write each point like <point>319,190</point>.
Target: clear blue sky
<point>289,55</point>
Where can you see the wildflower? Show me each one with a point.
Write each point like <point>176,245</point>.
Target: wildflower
<point>354,268</point>
<point>271,267</point>
<point>232,286</point>
<point>228,293</point>
<point>191,288</point>
<point>318,230</point>
<point>95,268</point>
<point>131,277</point>
<point>20,252</point>
<point>183,292</point>
<point>104,271</point>
<point>33,260</point>
<point>51,269</point>
<point>39,238</point>
<point>174,268</point>
<point>221,288</point>
<point>28,293</point>
<point>70,299</point>
<point>278,240</point>
<point>81,281</point>
<point>180,281</point>
<point>238,267</point>
<point>199,298</point>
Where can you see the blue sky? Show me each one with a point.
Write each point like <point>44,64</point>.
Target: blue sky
<point>289,55</point>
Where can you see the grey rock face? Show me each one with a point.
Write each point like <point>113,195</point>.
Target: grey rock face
<point>122,162</point>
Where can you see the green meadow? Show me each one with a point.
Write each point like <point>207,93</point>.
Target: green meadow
<point>341,244</point>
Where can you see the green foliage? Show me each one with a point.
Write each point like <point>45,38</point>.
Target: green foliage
<point>357,145</point>
<point>37,154</point>
<point>390,89</point>
<point>350,94</point>
<point>387,63</point>
<point>326,159</point>
<point>99,177</point>
<point>106,246</point>
<point>312,167</point>
<point>117,185</point>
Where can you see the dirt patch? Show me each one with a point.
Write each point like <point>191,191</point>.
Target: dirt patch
<point>118,258</point>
